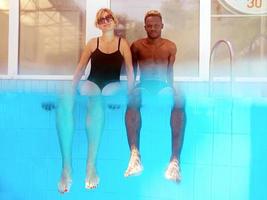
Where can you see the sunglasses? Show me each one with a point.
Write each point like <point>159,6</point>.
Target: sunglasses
<point>104,20</point>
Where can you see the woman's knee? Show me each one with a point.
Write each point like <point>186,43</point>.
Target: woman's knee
<point>111,89</point>
<point>89,88</point>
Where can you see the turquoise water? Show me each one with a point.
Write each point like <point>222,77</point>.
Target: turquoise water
<point>224,153</point>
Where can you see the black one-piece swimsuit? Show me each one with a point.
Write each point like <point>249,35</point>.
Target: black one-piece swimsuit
<point>105,68</point>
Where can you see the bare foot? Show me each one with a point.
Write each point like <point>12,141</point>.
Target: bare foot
<point>92,180</point>
<point>173,172</point>
<point>135,166</point>
<point>65,182</point>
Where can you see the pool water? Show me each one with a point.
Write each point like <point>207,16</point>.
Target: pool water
<point>224,153</point>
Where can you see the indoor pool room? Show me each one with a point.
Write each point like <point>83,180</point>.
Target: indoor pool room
<point>133,100</point>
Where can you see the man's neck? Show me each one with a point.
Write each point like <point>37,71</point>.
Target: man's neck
<point>153,40</point>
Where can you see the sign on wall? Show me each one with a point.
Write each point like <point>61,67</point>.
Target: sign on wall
<point>251,7</point>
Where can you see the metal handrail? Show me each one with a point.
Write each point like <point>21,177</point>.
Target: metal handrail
<point>231,55</point>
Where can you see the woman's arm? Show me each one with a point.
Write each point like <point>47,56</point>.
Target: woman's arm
<point>85,57</point>
<point>126,52</point>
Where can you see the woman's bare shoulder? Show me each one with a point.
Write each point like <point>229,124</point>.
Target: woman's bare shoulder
<point>92,41</point>
<point>91,44</point>
<point>124,42</point>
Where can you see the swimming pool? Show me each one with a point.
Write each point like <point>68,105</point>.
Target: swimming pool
<point>224,153</point>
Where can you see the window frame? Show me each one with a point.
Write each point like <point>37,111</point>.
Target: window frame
<point>91,31</point>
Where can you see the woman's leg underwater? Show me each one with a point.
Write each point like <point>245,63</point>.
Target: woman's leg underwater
<point>65,128</point>
<point>94,128</point>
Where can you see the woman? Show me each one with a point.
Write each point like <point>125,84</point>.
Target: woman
<point>107,54</point>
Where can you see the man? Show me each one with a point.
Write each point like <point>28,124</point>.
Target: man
<point>155,57</point>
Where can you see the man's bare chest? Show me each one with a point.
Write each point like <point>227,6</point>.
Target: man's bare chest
<point>153,55</point>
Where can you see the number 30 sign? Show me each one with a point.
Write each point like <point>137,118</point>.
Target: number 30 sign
<point>252,7</point>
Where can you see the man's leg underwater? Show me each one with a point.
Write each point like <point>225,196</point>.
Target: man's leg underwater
<point>133,126</point>
<point>177,121</point>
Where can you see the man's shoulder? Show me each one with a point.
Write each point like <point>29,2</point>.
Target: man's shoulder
<point>137,45</point>
<point>138,42</point>
<point>168,42</point>
<point>170,45</point>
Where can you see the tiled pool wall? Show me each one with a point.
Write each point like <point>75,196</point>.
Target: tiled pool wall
<point>224,153</point>
<point>190,88</point>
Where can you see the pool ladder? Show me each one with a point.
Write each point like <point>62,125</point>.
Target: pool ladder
<point>231,55</point>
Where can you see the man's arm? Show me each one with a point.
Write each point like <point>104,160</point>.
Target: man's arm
<point>171,61</point>
<point>134,59</point>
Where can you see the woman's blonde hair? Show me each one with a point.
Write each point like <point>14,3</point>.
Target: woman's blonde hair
<point>101,12</point>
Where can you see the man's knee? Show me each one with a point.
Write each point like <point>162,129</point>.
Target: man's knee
<point>133,108</point>
<point>134,100</point>
<point>179,105</point>
<point>178,101</point>
<point>132,116</point>
<point>178,114</point>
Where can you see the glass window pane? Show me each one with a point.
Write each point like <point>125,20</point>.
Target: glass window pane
<point>181,25</point>
<point>248,36</point>
<point>52,36</point>
<point>4,15</point>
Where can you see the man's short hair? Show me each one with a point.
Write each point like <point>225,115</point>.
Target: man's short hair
<point>153,13</point>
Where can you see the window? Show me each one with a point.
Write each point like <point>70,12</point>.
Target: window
<point>181,25</point>
<point>52,36</point>
<point>247,32</point>
<point>4,15</point>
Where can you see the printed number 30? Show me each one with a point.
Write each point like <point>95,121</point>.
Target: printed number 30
<point>254,3</point>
